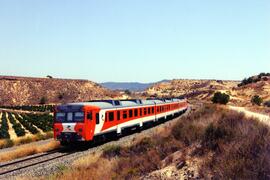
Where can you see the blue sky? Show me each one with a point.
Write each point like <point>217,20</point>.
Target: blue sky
<point>142,40</point>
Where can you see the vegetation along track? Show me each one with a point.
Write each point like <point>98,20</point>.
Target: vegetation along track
<point>18,165</point>
<point>51,162</point>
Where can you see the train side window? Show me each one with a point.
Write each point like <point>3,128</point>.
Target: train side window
<point>141,110</point>
<point>130,113</point>
<point>97,118</point>
<point>111,116</point>
<point>89,115</point>
<point>153,110</point>
<point>136,112</point>
<point>145,111</point>
<point>124,114</point>
<point>118,115</point>
<point>149,110</point>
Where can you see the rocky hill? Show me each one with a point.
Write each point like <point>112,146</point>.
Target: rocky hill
<point>204,89</point>
<point>246,92</point>
<point>29,91</point>
<point>190,88</point>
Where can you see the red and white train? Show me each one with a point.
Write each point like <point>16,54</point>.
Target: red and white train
<point>89,120</point>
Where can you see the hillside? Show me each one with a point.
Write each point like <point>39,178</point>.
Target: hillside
<point>261,88</point>
<point>204,89</point>
<point>191,88</point>
<point>25,90</point>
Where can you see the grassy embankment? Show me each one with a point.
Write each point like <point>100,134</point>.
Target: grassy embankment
<point>5,143</point>
<point>27,150</point>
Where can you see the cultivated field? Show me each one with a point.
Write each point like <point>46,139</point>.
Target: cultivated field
<point>20,127</point>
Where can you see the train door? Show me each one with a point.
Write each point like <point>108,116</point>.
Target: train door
<point>91,123</point>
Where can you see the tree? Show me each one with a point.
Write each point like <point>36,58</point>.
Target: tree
<point>221,98</point>
<point>127,92</point>
<point>257,100</point>
<point>48,76</point>
<point>43,100</point>
<point>61,96</point>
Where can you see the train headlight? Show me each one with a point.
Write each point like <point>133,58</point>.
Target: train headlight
<point>80,130</point>
<point>57,130</point>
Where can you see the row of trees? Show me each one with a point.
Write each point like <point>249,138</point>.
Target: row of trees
<point>26,124</point>
<point>43,121</point>
<point>4,128</point>
<point>19,130</point>
<point>41,108</point>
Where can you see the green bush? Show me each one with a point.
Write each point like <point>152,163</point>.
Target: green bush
<point>221,98</point>
<point>257,100</point>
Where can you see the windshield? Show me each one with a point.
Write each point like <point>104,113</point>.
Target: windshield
<point>69,117</point>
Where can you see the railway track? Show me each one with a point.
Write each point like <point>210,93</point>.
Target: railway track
<point>41,161</point>
<point>19,165</point>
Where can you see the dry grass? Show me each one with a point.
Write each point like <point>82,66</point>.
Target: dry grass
<point>91,167</point>
<point>260,109</point>
<point>25,140</point>
<point>231,146</point>
<point>27,150</point>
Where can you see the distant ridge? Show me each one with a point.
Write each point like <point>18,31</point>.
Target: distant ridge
<point>2,77</point>
<point>132,86</point>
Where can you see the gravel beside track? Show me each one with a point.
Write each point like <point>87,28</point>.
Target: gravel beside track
<point>45,164</point>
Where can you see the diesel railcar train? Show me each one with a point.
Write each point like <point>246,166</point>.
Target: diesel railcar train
<point>88,120</point>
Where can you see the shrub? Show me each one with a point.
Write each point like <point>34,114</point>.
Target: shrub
<point>221,98</point>
<point>211,136</point>
<point>267,103</point>
<point>186,132</point>
<point>128,92</point>
<point>43,100</point>
<point>61,96</point>
<point>111,151</point>
<point>257,100</point>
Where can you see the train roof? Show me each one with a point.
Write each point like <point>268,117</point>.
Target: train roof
<point>108,104</point>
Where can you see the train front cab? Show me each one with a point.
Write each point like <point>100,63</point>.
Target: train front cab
<point>75,123</point>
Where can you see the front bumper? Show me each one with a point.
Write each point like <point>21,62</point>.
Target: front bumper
<point>70,137</point>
